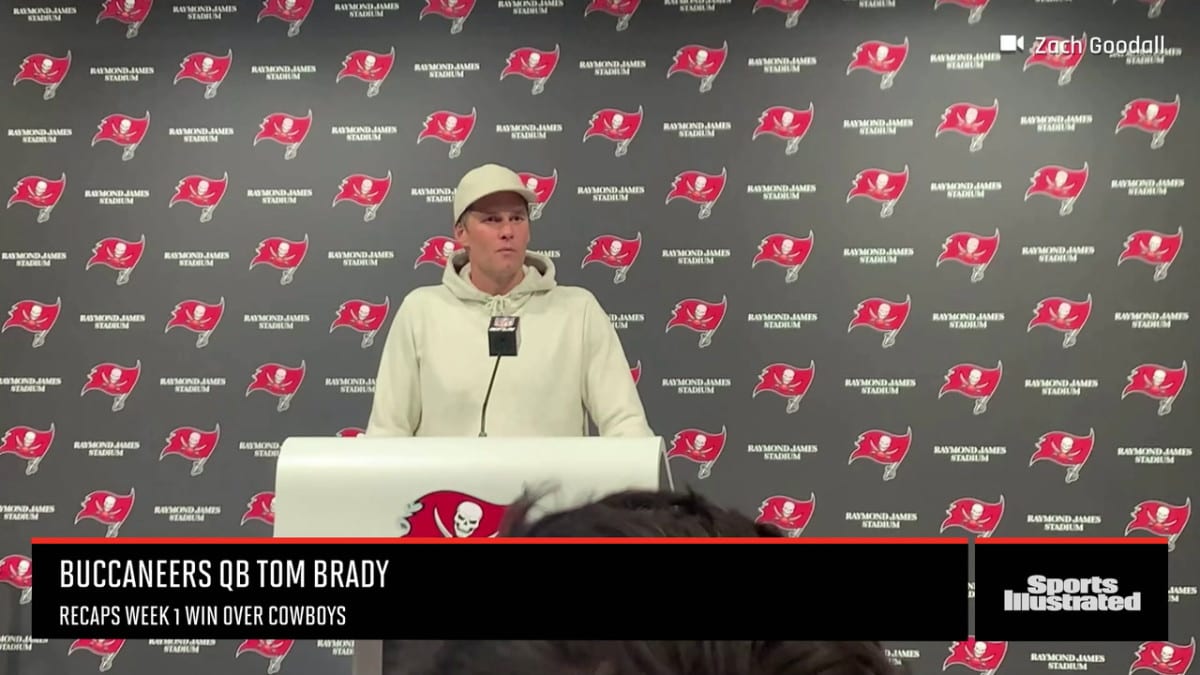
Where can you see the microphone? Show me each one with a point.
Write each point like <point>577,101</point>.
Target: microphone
<point>504,339</point>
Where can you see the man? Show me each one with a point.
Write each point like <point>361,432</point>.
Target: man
<point>435,367</point>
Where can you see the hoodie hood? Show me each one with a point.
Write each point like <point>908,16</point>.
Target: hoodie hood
<point>539,280</point>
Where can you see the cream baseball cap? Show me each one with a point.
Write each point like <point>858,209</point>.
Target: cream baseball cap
<point>487,180</point>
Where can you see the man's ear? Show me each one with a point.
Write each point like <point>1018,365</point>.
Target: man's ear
<point>460,231</point>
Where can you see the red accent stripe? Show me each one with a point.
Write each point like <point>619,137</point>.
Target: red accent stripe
<point>513,540</point>
<point>1071,540</point>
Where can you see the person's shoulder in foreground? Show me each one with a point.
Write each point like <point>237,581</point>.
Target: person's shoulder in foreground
<point>639,513</point>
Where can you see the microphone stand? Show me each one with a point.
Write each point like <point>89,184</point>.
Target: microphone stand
<point>486,398</point>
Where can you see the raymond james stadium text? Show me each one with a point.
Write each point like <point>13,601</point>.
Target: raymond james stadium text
<point>1090,594</point>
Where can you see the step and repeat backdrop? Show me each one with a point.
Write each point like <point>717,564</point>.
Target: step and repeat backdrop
<point>878,270</point>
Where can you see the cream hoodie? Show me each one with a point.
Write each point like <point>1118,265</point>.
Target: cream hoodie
<point>435,367</point>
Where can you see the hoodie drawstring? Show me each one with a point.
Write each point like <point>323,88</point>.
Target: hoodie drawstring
<point>496,305</point>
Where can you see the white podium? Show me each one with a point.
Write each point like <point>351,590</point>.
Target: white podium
<point>445,487</point>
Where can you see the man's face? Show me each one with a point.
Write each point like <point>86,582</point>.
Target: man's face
<point>495,232</point>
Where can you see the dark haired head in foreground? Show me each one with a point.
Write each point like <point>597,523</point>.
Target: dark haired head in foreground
<point>634,514</point>
<point>653,514</point>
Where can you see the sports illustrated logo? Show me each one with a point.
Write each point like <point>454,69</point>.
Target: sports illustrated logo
<point>616,125</point>
<point>974,515</point>
<point>615,252</point>
<point>28,444</point>
<point>700,316</point>
<point>452,515</point>
<point>192,444</point>
<point>973,381</point>
<point>1162,519</point>
<point>1158,382</point>
<point>261,507</point>
<point>786,380</point>
<point>1057,53</point>
<point>975,251</point>
<point>974,8</point>
<point>448,127</point>
<point>541,186</point>
<point>197,316</point>
<point>1063,315</point>
<point>1071,594</point>
<point>107,650</point>
<point>622,9</point>
<point>368,66</point>
<point>970,120</point>
<point>282,254</point>
<point>274,651</point>
<point>882,58</point>
<point>884,316</point>
<point>781,121</point>
<point>118,254</point>
<point>701,62</point>
<point>202,192</point>
<point>34,317</point>
<point>1059,182</point>
<point>1158,249</point>
<point>1151,116</point>
<point>39,192</point>
<point>132,13</point>
<point>363,316</point>
<point>17,571</point>
<point>789,514</point>
<point>456,11</point>
<point>1164,658</point>
<point>882,447</point>
<point>880,185</point>
<point>437,250</point>
<point>291,12</point>
<point>532,64</point>
<point>786,251</point>
<point>278,380</point>
<point>46,70</point>
<point>1153,12</point>
<point>286,130</point>
<point>699,188</point>
<point>1065,449</point>
<point>124,131</point>
<point>792,8</point>
<point>366,191</point>
<point>699,447</point>
<point>982,657</point>
<point>207,69</point>
<point>115,380</point>
<point>107,508</point>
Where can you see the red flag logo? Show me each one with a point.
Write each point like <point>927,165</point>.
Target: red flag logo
<point>789,514</point>
<point>17,571</point>
<point>972,250</point>
<point>1159,382</point>
<point>973,381</point>
<point>1151,116</point>
<point>786,380</point>
<point>46,70</point>
<point>882,447</point>
<point>437,251</point>
<point>205,68</point>
<point>974,8</point>
<point>368,66</point>
<point>974,515</point>
<point>541,186</point>
<point>1059,182</point>
<point>261,507</point>
<point>115,380</point>
<point>700,316</point>
<point>107,650</point>
<point>1152,247</point>
<point>278,380</point>
<point>282,254</point>
<point>699,447</point>
<point>982,657</point>
<point>1164,658</point>
<point>193,444</point>
<point>531,63</point>
<point>622,9</point>
<point>1161,519</point>
<point>450,128</point>
<point>1063,315</point>
<point>791,8</point>
<point>970,120</point>
<point>785,250</point>
<point>701,62</point>
<point>880,185</point>
<point>1057,53</point>
<point>40,192</point>
<point>614,252</point>
<point>363,316</point>
<point>274,651</point>
<point>618,126</point>
<point>366,191</point>
<point>882,58</point>
<point>29,444</point>
<point>456,11</point>
<point>124,131</point>
<point>132,13</point>
<point>34,317</point>
<point>781,121</point>
<point>1065,449</point>
<point>882,315</point>
<point>286,130</point>
<point>699,188</point>
<point>197,316</point>
<point>203,192</point>
<point>291,12</point>
<point>107,508</point>
<point>452,515</point>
